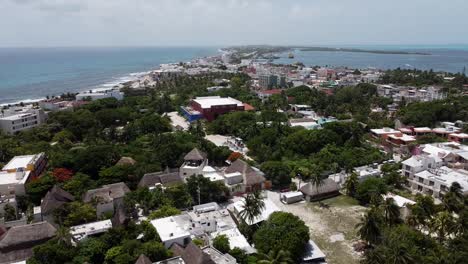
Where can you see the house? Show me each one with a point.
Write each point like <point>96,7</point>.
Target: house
<point>166,178</point>
<point>18,242</point>
<point>107,198</point>
<point>97,95</point>
<point>54,199</point>
<point>420,163</point>
<point>263,95</point>
<point>171,230</point>
<point>268,209</point>
<point>194,162</point>
<point>437,181</point>
<point>81,232</point>
<point>383,133</point>
<point>459,138</point>
<point>401,139</point>
<point>402,203</point>
<point>327,189</point>
<point>241,177</point>
<point>192,254</point>
<point>142,259</point>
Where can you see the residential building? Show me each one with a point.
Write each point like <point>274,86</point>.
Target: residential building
<point>19,119</point>
<point>81,232</point>
<point>242,178</point>
<point>402,203</point>
<point>107,198</point>
<point>383,133</point>
<point>237,207</point>
<point>460,138</point>
<point>17,243</point>
<point>18,171</point>
<point>96,95</point>
<point>328,189</point>
<point>53,200</point>
<point>56,104</point>
<point>194,162</point>
<point>419,163</point>
<point>166,178</point>
<point>192,254</point>
<point>437,181</point>
<point>265,94</point>
<point>268,81</point>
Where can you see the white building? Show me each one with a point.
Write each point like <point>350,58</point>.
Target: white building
<point>420,163</point>
<point>171,230</point>
<point>84,231</point>
<point>19,119</point>
<point>269,208</point>
<point>96,95</point>
<point>437,181</point>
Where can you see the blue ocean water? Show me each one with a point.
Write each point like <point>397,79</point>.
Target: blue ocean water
<point>31,73</point>
<point>442,58</point>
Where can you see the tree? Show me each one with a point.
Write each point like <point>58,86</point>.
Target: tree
<point>282,231</point>
<point>62,174</point>
<point>10,213</point>
<point>75,213</point>
<point>277,172</point>
<point>275,257</point>
<point>221,243</point>
<point>203,190</point>
<point>252,206</point>
<point>164,211</point>
<point>443,225</point>
<point>52,252</point>
<point>369,228</point>
<point>351,184</point>
<point>240,255</point>
<point>391,211</point>
<point>370,187</point>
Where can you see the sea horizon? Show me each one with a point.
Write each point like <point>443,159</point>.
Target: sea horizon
<point>31,73</point>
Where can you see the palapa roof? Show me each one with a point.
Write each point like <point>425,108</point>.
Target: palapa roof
<point>107,193</point>
<point>126,161</point>
<point>142,259</point>
<point>18,236</point>
<point>167,177</point>
<point>250,175</point>
<point>195,154</point>
<point>328,186</point>
<point>54,199</point>
<point>191,254</point>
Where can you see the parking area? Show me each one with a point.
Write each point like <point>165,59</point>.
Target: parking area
<point>332,225</point>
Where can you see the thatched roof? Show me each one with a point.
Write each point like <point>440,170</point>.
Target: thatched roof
<point>251,176</point>
<point>18,236</point>
<point>191,254</point>
<point>107,193</point>
<point>142,259</point>
<point>195,154</point>
<point>167,178</point>
<point>328,186</point>
<point>54,199</point>
<point>126,161</point>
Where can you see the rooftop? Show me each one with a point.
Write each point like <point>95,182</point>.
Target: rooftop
<point>20,162</point>
<point>80,232</point>
<point>447,176</point>
<point>383,131</point>
<point>10,178</point>
<point>270,208</point>
<point>210,101</point>
<point>170,227</point>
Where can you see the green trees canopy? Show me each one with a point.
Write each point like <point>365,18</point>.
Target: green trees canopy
<point>282,231</point>
<point>221,243</point>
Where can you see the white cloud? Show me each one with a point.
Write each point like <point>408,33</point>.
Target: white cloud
<point>225,22</point>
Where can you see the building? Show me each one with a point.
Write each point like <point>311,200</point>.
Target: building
<point>19,119</point>
<point>18,171</point>
<point>192,254</point>
<point>268,81</point>
<point>437,181</point>
<point>84,231</point>
<point>328,189</point>
<point>419,163</point>
<point>194,162</point>
<point>171,230</point>
<point>402,203</point>
<point>269,208</point>
<point>17,243</point>
<point>459,138</point>
<point>96,95</point>
<point>383,133</point>
<point>53,200</point>
<point>400,139</point>
<point>313,254</point>
<point>242,178</point>
<point>166,178</point>
<point>210,107</point>
<point>264,95</point>
<point>107,198</point>
<point>307,123</point>
<point>56,104</point>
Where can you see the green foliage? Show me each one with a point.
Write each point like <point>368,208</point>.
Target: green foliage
<point>203,190</point>
<point>240,255</point>
<point>75,213</point>
<point>282,231</point>
<point>9,213</point>
<point>277,172</point>
<point>52,252</point>
<point>411,77</point>
<point>369,188</point>
<point>36,189</point>
<point>221,243</point>
<point>164,211</point>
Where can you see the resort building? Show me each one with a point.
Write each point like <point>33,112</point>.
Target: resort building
<point>210,107</point>
<point>96,95</point>
<point>15,120</point>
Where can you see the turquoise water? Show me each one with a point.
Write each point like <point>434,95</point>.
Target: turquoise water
<point>31,73</point>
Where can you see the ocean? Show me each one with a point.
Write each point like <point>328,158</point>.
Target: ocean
<point>27,74</point>
<point>33,73</point>
<point>442,58</point>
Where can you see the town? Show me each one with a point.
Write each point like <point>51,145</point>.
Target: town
<point>234,159</point>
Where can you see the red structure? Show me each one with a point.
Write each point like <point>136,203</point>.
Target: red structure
<point>213,106</point>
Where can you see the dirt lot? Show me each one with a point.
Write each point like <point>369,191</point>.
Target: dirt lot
<point>333,229</point>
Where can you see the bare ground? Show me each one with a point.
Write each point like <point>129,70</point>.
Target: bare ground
<point>333,229</point>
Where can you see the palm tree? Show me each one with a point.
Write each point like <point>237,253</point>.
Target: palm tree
<point>63,236</point>
<point>316,179</point>
<point>351,184</point>
<point>275,257</point>
<point>456,189</point>
<point>301,173</point>
<point>369,227</point>
<point>252,207</point>
<point>391,211</point>
<point>443,225</point>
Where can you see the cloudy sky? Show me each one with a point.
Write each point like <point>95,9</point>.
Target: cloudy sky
<point>231,22</point>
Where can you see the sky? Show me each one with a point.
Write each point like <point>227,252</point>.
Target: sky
<point>61,23</point>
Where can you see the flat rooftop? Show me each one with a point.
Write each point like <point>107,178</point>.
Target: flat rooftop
<point>270,208</point>
<point>10,178</point>
<point>210,101</point>
<point>19,162</point>
<point>170,227</point>
<point>82,231</point>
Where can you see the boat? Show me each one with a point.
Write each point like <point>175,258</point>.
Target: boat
<point>291,56</point>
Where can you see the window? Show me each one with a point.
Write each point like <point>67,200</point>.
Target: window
<point>431,183</point>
